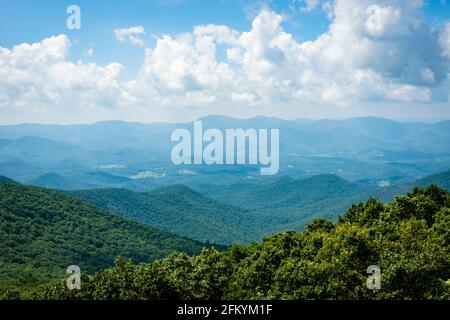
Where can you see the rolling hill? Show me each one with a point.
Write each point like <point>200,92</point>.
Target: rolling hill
<point>179,210</point>
<point>86,180</point>
<point>442,179</point>
<point>244,212</point>
<point>408,239</point>
<point>44,231</point>
<point>6,180</point>
<point>287,192</point>
<point>288,203</point>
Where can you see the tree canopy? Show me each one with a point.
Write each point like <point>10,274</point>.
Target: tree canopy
<point>407,238</point>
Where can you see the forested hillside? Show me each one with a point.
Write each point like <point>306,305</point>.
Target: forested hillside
<point>180,210</point>
<point>253,211</point>
<point>290,203</point>
<point>6,180</point>
<point>245,212</point>
<point>43,231</point>
<point>409,239</point>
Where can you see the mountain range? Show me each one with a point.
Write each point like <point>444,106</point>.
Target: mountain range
<point>136,156</point>
<point>245,212</point>
<point>85,194</point>
<point>179,210</point>
<point>46,230</point>
<point>43,231</point>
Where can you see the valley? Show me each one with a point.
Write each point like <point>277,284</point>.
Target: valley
<point>87,194</point>
<point>136,156</point>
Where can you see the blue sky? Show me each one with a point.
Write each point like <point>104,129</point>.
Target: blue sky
<point>43,18</point>
<point>290,56</point>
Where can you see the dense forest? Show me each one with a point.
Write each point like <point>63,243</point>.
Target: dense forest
<point>407,238</point>
<point>44,231</point>
<point>245,212</point>
<point>179,210</point>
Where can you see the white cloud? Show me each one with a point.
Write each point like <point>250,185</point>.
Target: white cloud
<point>39,76</point>
<point>130,34</point>
<point>444,40</point>
<point>243,97</point>
<point>382,20</point>
<point>90,52</point>
<point>382,51</point>
<point>218,33</point>
<point>373,51</point>
<point>309,5</point>
<point>183,70</point>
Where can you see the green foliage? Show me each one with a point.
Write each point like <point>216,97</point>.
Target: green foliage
<point>407,238</point>
<point>43,232</point>
<point>291,203</point>
<point>179,210</point>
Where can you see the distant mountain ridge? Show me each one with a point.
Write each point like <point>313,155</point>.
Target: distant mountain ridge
<point>369,150</point>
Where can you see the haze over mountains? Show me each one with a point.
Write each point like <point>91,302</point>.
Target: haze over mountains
<point>136,156</point>
<point>120,194</point>
<point>245,212</point>
<point>325,166</point>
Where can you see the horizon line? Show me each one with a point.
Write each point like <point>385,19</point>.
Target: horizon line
<point>226,117</point>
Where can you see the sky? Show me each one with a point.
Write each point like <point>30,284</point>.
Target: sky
<point>177,60</point>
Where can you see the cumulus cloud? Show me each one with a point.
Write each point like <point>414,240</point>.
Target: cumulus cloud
<point>382,51</point>
<point>182,70</point>
<point>130,34</point>
<point>373,51</point>
<point>39,76</point>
